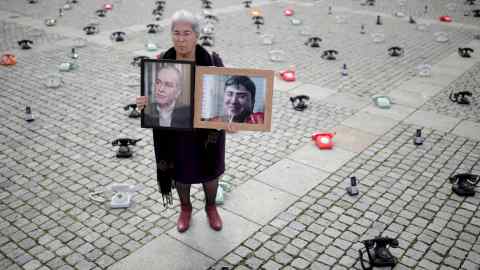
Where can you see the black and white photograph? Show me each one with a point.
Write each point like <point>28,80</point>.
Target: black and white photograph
<point>168,86</point>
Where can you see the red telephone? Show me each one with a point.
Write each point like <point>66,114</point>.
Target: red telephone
<point>324,140</point>
<point>8,60</point>
<point>445,18</point>
<point>288,75</point>
<point>288,12</point>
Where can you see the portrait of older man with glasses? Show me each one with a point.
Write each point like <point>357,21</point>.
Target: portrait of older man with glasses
<point>165,110</point>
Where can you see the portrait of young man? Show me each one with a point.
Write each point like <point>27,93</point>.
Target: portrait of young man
<point>168,87</point>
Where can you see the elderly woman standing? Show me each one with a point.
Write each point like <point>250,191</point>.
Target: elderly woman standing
<point>189,157</point>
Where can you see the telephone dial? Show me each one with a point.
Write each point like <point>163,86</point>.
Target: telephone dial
<point>25,44</point>
<point>206,4</point>
<point>207,41</point>
<point>101,13</point>
<point>134,113</point>
<point>465,52</point>
<point>313,42</point>
<point>124,151</point>
<point>460,97</point>
<point>8,59</point>
<point>395,51</point>
<point>153,28</point>
<point>137,60</point>
<point>298,102</point>
<point>247,3</point>
<point>329,54</point>
<point>91,29</point>
<point>378,253</point>
<point>464,184</point>
<point>118,36</point>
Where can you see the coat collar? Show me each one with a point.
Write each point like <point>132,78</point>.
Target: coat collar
<point>202,57</point>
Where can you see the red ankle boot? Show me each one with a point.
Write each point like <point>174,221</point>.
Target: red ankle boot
<point>184,219</point>
<point>213,217</point>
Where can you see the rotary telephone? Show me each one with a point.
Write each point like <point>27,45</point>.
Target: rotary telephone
<point>395,51</point>
<point>118,36</point>
<point>124,151</point>
<point>476,13</point>
<point>368,3</point>
<point>313,42</point>
<point>465,52</point>
<point>8,59</point>
<point>101,12</point>
<point>378,253</point>
<point>134,113</point>
<point>206,4</point>
<point>298,102</point>
<point>329,54</point>
<point>25,44</point>
<point>211,17</point>
<point>247,3</point>
<point>137,60</point>
<point>258,20</point>
<point>470,2</point>
<point>32,1</point>
<point>152,28</point>
<point>460,97</point>
<point>207,41</point>
<point>159,9</point>
<point>91,29</point>
<point>464,183</point>
<point>160,3</point>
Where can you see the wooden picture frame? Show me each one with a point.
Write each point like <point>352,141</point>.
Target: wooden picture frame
<point>169,102</point>
<point>238,97</point>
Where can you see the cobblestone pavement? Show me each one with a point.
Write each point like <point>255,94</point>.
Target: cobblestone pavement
<point>49,166</point>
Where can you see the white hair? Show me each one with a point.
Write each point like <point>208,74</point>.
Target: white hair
<point>186,16</point>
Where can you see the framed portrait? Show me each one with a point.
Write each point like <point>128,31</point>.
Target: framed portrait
<point>238,97</point>
<point>169,88</point>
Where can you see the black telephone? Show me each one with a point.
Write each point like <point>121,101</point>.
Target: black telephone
<point>298,102</point>
<point>124,151</point>
<point>395,51</point>
<point>470,2</point>
<point>159,9</point>
<point>134,113</point>
<point>101,12</point>
<point>32,1</point>
<point>378,253</point>
<point>90,29</point>
<point>25,44</point>
<point>160,3</point>
<point>465,52</point>
<point>152,28</point>
<point>206,4</point>
<point>368,2</point>
<point>137,60</point>
<point>247,3</point>
<point>460,97</point>
<point>207,41</point>
<point>211,17</point>
<point>329,54</point>
<point>118,36</point>
<point>313,42</point>
<point>411,20</point>
<point>476,13</point>
<point>157,13</point>
<point>258,20</point>
<point>464,183</point>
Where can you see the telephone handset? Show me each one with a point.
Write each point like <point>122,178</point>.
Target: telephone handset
<point>101,12</point>
<point>125,142</point>
<point>460,97</point>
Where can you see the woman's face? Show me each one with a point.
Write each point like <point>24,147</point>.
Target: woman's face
<point>184,39</point>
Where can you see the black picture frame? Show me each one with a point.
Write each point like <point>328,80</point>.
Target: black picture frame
<point>181,117</point>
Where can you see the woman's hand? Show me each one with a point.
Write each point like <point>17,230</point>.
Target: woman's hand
<point>231,129</point>
<point>141,102</point>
